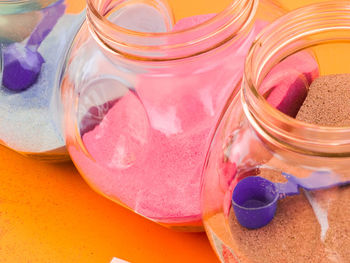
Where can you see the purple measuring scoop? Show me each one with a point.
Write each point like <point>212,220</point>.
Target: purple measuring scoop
<point>22,63</point>
<point>254,198</point>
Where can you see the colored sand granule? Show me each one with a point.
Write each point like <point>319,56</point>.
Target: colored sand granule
<point>30,119</point>
<point>327,102</point>
<point>149,155</point>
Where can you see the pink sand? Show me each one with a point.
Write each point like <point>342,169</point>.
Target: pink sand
<point>149,156</point>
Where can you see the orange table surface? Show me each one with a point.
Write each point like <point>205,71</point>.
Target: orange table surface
<point>49,214</point>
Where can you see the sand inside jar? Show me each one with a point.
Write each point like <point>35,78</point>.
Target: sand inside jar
<point>295,234</point>
<point>313,226</point>
<point>156,171</point>
<point>30,120</point>
<point>327,102</point>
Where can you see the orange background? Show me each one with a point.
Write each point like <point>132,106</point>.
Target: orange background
<point>49,214</point>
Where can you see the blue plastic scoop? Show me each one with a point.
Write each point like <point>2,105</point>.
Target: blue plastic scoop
<point>22,63</point>
<point>254,198</point>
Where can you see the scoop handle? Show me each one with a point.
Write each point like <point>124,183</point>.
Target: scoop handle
<point>287,189</point>
<point>51,15</point>
<point>317,180</point>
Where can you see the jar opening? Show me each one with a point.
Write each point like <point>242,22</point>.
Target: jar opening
<point>164,43</point>
<point>304,30</point>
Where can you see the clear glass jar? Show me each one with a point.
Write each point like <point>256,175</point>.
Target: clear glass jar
<point>259,146</point>
<point>30,75</point>
<point>142,92</point>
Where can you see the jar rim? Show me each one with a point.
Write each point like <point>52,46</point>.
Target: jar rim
<point>154,46</point>
<point>277,37</point>
<point>8,7</point>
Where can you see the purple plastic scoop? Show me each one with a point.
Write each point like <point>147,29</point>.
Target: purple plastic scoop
<point>22,63</point>
<point>254,198</point>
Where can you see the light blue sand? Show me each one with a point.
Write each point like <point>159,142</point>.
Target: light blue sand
<point>29,120</point>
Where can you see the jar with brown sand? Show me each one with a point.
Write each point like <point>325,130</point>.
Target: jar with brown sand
<point>276,182</point>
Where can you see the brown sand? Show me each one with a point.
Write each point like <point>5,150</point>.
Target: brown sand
<point>294,235</point>
<point>338,236</point>
<point>327,102</point>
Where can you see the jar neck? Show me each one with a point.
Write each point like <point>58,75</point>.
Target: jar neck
<point>296,31</point>
<point>228,25</point>
<point>9,7</point>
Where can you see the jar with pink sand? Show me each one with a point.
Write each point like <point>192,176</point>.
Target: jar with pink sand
<point>144,87</point>
<point>277,175</point>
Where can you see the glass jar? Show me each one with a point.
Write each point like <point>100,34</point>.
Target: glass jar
<point>144,86</point>
<point>275,188</point>
<point>30,74</point>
